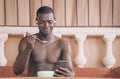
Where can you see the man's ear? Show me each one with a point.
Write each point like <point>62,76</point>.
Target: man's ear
<point>54,20</point>
<point>36,21</point>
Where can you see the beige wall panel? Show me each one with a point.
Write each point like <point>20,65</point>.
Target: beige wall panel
<point>94,51</point>
<point>47,3</point>
<point>34,5</point>
<point>11,12</point>
<point>94,14</point>
<point>11,49</point>
<point>116,12</point>
<point>23,12</point>
<point>59,9</point>
<point>116,51</point>
<point>2,13</point>
<point>70,12</point>
<point>82,12</point>
<point>106,12</point>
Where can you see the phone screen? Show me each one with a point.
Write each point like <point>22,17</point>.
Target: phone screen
<point>62,63</point>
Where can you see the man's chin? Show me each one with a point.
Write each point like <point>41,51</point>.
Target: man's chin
<point>47,33</point>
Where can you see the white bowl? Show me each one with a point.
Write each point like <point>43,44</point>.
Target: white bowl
<point>45,73</point>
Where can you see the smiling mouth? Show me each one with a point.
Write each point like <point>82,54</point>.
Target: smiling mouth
<point>46,30</point>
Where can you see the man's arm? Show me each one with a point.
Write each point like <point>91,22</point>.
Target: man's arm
<point>22,58</point>
<point>25,48</point>
<point>66,55</point>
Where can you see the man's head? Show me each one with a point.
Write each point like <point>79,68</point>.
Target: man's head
<point>44,10</point>
<point>45,20</point>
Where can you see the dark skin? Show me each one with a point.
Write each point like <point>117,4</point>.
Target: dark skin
<point>42,51</point>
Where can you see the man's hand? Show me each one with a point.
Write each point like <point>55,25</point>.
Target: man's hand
<point>30,39</point>
<point>63,72</point>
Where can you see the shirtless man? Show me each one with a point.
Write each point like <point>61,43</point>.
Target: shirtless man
<point>41,51</point>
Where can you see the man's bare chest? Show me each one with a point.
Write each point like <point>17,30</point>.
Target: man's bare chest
<point>46,52</point>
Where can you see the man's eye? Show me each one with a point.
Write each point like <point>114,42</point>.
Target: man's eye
<point>50,22</point>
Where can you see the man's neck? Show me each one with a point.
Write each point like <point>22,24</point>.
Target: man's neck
<point>45,37</point>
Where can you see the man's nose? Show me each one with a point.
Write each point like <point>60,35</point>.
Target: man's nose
<point>46,24</point>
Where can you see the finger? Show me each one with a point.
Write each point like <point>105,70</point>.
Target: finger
<point>64,69</point>
<point>58,75</point>
<point>58,71</point>
<point>28,34</point>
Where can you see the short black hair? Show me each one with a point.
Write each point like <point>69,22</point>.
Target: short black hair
<point>44,10</point>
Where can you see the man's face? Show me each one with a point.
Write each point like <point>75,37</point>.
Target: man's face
<point>45,23</point>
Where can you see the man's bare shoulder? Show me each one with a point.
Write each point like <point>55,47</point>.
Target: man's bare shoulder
<point>63,41</point>
<point>65,45</point>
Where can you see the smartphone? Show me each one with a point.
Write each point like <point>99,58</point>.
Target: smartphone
<point>62,63</point>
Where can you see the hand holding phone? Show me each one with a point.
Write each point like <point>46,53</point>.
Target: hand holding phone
<point>63,69</point>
